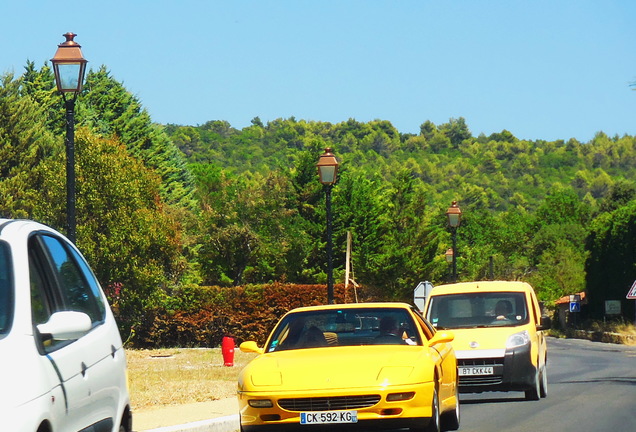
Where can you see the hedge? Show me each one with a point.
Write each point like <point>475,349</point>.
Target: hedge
<point>202,316</point>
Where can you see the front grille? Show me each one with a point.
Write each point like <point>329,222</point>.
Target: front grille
<point>329,403</point>
<point>480,380</point>
<point>496,361</point>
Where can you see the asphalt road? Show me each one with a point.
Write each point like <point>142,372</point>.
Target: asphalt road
<point>591,387</point>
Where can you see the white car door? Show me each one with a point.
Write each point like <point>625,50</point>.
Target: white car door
<point>59,283</point>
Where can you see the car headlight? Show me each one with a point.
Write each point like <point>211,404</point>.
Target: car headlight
<point>518,339</point>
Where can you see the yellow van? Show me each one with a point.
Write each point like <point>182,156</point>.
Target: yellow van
<point>499,341</point>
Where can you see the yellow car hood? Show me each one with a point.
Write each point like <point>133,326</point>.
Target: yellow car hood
<point>337,367</point>
<point>490,338</point>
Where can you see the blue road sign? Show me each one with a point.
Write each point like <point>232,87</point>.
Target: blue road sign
<point>575,307</point>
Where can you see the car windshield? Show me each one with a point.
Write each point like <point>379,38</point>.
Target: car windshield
<point>344,327</point>
<point>6,290</point>
<point>484,309</point>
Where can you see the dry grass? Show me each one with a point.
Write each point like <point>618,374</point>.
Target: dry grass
<point>626,328</point>
<point>180,376</point>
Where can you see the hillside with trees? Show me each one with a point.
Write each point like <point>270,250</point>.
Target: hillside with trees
<point>163,209</point>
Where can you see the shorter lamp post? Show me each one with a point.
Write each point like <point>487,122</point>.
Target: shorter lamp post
<point>454,215</point>
<point>328,173</point>
<point>69,67</point>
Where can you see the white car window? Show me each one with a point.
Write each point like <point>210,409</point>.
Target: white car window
<point>60,281</point>
<point>6,290</point>
<point>75,290</point>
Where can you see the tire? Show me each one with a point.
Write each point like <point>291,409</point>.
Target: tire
<point>126,423</point>
<point>543,386</point>
<point>434,422</point>
<point>533,393</point>
<point>449,421</point>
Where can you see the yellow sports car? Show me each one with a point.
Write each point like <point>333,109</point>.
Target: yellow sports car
<point>366,365</point>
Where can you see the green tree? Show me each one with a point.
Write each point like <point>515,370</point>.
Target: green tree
<point>25,143</point>
<point>456,130</point>
<point>610,267</point>
<point>109,109</point>
<point>123,227</point>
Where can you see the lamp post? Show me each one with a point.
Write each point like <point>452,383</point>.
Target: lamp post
<point>69,67</point>
<point>328,173</point>
<point>449,259</point>
<point>454,215</point>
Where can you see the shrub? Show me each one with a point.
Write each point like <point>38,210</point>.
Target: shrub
<point>201,316</point>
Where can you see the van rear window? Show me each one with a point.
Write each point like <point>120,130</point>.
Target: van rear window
<point>482,309</point>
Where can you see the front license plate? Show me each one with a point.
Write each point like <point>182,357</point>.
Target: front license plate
<point>476,370</point>
<point>325,417</point>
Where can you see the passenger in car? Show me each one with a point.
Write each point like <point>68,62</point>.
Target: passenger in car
<point>389,332</point>
<point>313,338</point>
<point>503,308</point>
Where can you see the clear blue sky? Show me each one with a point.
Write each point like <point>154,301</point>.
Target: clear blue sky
<point>545,69</point>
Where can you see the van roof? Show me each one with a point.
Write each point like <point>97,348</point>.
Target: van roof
<point>491,286</point>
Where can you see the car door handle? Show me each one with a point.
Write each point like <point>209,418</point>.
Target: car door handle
<point>84,369</point>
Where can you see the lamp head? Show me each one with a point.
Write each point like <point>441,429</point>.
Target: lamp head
<point>69,65</point>
<point>454,215</point>
<point>327,167</point>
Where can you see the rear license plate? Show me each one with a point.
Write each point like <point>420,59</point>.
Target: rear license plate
<point>325,417</point>
<point>476,370</point>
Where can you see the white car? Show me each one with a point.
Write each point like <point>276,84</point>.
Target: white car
<point>62,362</point>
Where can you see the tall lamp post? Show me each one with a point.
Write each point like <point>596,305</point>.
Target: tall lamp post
<point>69,67</point>
<point>328,173</point>
<point>454,215</point>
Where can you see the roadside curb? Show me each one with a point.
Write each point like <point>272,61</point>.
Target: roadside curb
<point>221,424</point>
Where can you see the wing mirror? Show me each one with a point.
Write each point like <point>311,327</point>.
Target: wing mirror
<point>250,347</point>
<point>66,325</point>
<point>441,337</point>
<point>546,323</point>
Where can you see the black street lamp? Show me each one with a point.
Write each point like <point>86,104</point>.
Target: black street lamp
<point>454,215</point>
<point>328,173</point>
<point>69,67</point>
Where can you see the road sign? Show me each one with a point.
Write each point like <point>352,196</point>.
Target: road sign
<point>422,290</point>
<point>631,295</point>
<point>575,307</point>
<point>612,307</point>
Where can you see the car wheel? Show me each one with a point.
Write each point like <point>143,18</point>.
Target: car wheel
<point>543,392</point>
<point>534,392</point>
<point>450,420</point>
<point>434,422</point>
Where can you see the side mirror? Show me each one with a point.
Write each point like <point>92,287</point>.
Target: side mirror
<point>66,325</point>
<point>546,323</point>
<point>441,337</point>
<point>250,347</point>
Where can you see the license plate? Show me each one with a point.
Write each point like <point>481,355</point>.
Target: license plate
<point>325,417</point>
<point>476,370</point>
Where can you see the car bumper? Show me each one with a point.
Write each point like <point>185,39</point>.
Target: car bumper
<point>513,370</point>
<point>381,414</point>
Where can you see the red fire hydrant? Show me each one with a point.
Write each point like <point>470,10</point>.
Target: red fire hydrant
<point>227,347</point>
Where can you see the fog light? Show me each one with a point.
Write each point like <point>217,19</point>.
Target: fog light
<point>393,397</point>
<point>270,417</point>
<point>260,403</point>
<point>391,411</point>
